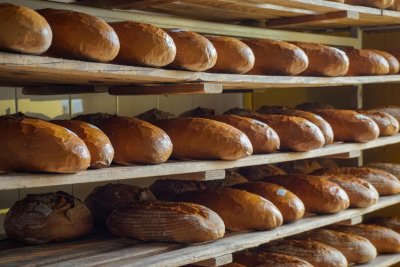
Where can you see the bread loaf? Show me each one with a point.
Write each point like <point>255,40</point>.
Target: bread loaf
<point>392,110</point>
<point>383,4</point>
<point>23,30</point>
<point>47,217</point>
<point>231,178</point>
<point>355,248</point>
<point>394,65</point>
<point>167,189</point>
<point>33,145</point>
<point>104,199</point>
<point>316,253</point>
<point>291,207</point>
<point>193,51</point>
<point>134,141</point>
<point>80,36</point>
<point>388,125</point>
<point>388,222</point>
<point>234,56</point>
<point>100,148</point>
<point>268,259</point>
<point>364,62</point>
<point>143,44</point>
<point>319,195</point>
<point>384,239</point>
<point>392,168</point>
<point>166,221</point>
<point>322,124</point>
<point>258,172</point>
<point>240,210</point>
<point>324,60</point>
<point>300,166</point>
<point>385,183</point>
<point>277,58</point>
<point>396,5</point>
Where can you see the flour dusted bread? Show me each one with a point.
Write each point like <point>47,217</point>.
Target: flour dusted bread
<point>193,51</point>
<point>364,62</point>
<point>383,4</point>
<point>48,217</point>
<point>255,173</point>
<point>269,259</point>
<point>392,168</point>
<point>100,148</point>
<point>143,44</point>
<point>81,36</point>
<point>134,140</point>
<point>388,222</point>
<point>392,110</point>
<point>166,221</point>
<point>394,64</point>
<point>388,125</point>
<point>35,145</point>
<point>240,210</point>
<point>23,30</point>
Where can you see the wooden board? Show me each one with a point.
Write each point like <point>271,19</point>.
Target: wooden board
<point>383,261</point>
<point>102,249</point>
<point>30,180</point>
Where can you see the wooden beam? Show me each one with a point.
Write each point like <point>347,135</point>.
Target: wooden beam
<point>352,221</point>
<point>63,90</point>
<point>217,261</point>
<point>167,89</point>
<point>135,4</point>
<point>347,155</point>
<point>196,176</point>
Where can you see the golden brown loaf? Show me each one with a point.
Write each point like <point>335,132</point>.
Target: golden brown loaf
<point>234,56</point>
<point>396,5</point>
<point>100,148</point>
<point>167,189</point>
<point>324,60</point>
<point>134,140</point>
<point>47,217</point>
<point>388,125</point>
<point>384,239</point>
<point>143,44</point>
<point>319,195</point>
<point>268,259</point>
<point>104,199</point>
<point>355,248</point>
<point>392,110</point>
<point>240,210</point>
<point>277,58</point>
<point>193,51</point>
<point>316,253</point>
<point>322,124</point>
<point>166,221</point>
<point>392,168</point>
<point>364,62</point>
<point>394,65</point>
<point>291,207</point>
<point>23,30</point>
<point>29,144</point>
<point>255,173</point>
<point>81,36</point>
<point>384,182</point>
<point>371,3</point>
<point>388,222</point>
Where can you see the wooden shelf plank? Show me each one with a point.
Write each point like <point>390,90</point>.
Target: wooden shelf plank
<point>383,261</point>
<point>114,173</point>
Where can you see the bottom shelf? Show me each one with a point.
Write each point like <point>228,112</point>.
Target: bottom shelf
<point>383,261</point>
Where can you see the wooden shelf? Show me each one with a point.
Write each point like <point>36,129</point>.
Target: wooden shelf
<point>383,261</point>
<point>102,249</point>
<point>206,170</point>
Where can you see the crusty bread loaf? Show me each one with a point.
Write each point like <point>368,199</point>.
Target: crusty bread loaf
<point>388,125</point>
<point>29,144</point>
<point>388,222</point>
<point>268,259</point>
<point>316,253</point>
<point>384,239</point>
<point>277,57</point>
<point>392,168</point>
<point>364,62</point>
<point>383,4</point>
<point>81,36</point>
<point>167,189</point>
<point>396,5</point>
<point>193,51</point>
<point>384,182</point>
<point>23,30</point>
<point>234,56</point>
<point>240,210</point>
<point>392,110</point>
<point>231,178</point>
<point>394,65</point>
<point>307,166</point>
<point>100,148</point>
<point>319,195</point>
<point>324,60</point>
<point>143,44</point>
<point>166,221</point>
<point>291,207</point>
<point>361,193</point>
<point>322,124</point>
<point>258,172</point>
<point>104,199</point>
<point>47,217</point>
<point>134,140</point>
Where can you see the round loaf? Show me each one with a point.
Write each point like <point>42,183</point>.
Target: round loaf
<point>392,168</point>
<point>104,199</point>
<point>388,125</point>
<point>277,57</point>
<point>364,62</point>
<point>291,207</point>
<point>100,148</point>
<point>143,44</point>
<point>193,51</point>
<point>134,140</point>
<point>234,56</point>
<point>394,65</point>
<point>255,173</point>
<point>47,217</point>
<point>23,30</point>
<point>383,4</point>
<point>388,222</point>
<point>166,221</point>
<point>240,210</point>
<point>268,259</point>
<point>80,36</point>
<point>52,148</point>
<point>324,60</point>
